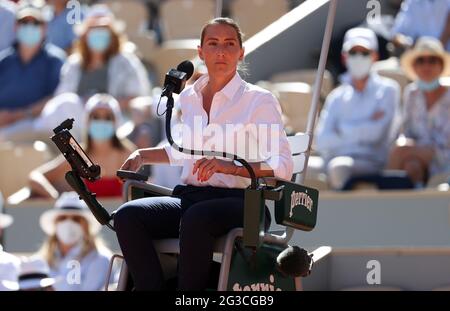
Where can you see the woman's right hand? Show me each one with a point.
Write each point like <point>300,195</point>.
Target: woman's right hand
<point>133,163</point>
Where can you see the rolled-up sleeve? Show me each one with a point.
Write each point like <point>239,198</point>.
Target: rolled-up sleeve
<point>268,112</point>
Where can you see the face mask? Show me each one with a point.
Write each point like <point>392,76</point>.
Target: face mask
<point>428,86</point>
<point>69,232</point>
<point>101,130</point>
<point>359,66</point>
<point>99,39</point>
<point>29,35</point>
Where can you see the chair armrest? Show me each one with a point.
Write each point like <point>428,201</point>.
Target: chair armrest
<point>153,189</point>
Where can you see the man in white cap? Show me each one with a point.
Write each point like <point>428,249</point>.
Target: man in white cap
<point>9,264</point>
<point>29,74</point>
<point>352,133</point>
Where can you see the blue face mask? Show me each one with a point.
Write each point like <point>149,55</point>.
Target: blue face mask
<point>101,130</point>
<point>99,39</point>
<point>428,86</point>
<point>29,35</point>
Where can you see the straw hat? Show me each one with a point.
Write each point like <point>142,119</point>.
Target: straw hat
<point>425,46</point>
<point>68,204</point>
<point>34,273</point>
<point>99,15</point>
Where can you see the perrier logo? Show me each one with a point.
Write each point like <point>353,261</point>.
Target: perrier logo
<point>300,199</point>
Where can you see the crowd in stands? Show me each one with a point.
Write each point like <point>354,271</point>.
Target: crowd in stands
<point>370,129</point>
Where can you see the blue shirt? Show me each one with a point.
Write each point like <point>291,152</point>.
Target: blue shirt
<point>22,85</point>
<point>7,23</point>
<point>418,18</point>
<point>60,32</point>
<point>346,128</point>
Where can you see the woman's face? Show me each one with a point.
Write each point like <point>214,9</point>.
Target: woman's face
<point>98,39</point>
<point>70,229</point>
<point>221,51</point>
<point>428,68</point>
<point>101,124</point>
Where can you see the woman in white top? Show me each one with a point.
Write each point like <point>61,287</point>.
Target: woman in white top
<point>77,259</point>
<point>423,149</point>
<point>100,64</point>
<point>212,201</point>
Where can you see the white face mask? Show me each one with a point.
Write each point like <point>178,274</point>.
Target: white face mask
<point>69,232</point>
<point>359,66</point>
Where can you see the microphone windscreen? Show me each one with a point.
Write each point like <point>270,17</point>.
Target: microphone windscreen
<point>186,67</point>
<point>294,262</point>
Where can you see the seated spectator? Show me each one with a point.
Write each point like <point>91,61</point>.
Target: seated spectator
<point>100,65</point>
<point>72,244</point>
<point>60,27</point>
<point>7,23</point>
<point>418,18</point>
<point>9,264</point>
<point>35,275</point>
<point>356,119</point>
<point>423,149</point>
<point>103,147</point>
<point>29,73</point>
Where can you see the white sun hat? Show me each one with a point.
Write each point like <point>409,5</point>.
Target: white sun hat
<point>68,204</point>
<point>34,273</point>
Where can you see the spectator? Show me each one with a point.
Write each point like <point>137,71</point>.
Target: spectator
<point>60,27</point>
<point>7,22</point>
<point>9,264</point>
<point>353,126</point>
<point>29,73</point>
<point>100,64</point>
<point>418,18</point>
<point>423,149</point>
<point>35,275</point>
<point>71,243</point>
<point>103,147</point>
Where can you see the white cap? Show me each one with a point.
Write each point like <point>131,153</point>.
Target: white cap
<point>107,101</point>
<point>359,36</point>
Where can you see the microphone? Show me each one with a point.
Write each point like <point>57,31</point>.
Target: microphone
<point>175,80</point>
<point>294,262</point>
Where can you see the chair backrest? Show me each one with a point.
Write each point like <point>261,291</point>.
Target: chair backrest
<point>184,19</point>
<point>299,145</point>
<point>306,76</point>
<point>295,100</point>
<point>170,54</point>
<point>133,12</point>
<point>16,163</point>
<point>254,15</point>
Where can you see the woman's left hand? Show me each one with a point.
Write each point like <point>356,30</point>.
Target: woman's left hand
<point>207,167</point>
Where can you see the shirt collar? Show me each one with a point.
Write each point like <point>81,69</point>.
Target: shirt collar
<point>229,90</point>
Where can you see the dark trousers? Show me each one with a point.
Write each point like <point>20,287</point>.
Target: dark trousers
<point>195,215</point>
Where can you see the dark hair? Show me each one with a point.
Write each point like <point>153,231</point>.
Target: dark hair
<point>223,21</point>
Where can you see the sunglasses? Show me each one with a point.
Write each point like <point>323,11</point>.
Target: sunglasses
<point>102,117</point>
<point>70,217</point>
<point>431,60</point>
<point>354,53</point>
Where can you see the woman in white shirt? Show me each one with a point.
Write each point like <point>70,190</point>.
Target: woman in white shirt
<point>212,201</point>
<point>77,259</point>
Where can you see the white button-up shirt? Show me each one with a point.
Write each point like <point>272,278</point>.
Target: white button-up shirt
<point>418,18</point>
<point>87,274</point>
<point>345,127</point>
<point>9,271</point>
<point>239,108</point>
